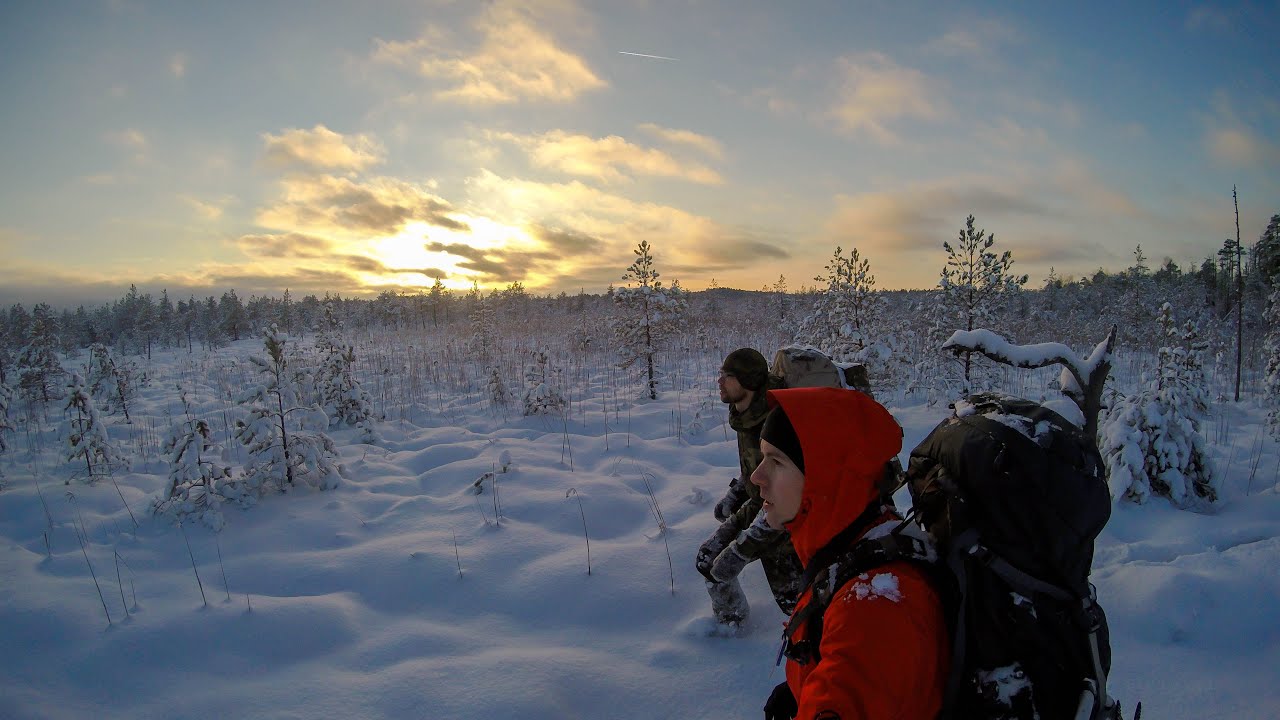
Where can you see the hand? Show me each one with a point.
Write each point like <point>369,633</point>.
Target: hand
<point>781,704</point>
<point>731,501</point>
<point>727,564</point>
<point>707,553</point>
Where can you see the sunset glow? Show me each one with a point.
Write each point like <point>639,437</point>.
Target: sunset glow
<point>357,149</point>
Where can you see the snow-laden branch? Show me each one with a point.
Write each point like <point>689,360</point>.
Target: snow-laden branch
<point>1082,378</point>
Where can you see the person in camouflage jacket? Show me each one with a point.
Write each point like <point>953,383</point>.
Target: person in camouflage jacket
<point>743,535</point>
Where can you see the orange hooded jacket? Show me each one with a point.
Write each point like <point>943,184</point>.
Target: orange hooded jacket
<point>885,647</point>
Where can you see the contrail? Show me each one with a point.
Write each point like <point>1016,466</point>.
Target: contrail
<point>655,57</point>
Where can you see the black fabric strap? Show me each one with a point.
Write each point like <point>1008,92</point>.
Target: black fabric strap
<point>1018,580</point>
<point>830,553</point>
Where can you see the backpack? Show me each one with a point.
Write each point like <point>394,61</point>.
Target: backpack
<point>1012,496</point>
<point>798,367</point>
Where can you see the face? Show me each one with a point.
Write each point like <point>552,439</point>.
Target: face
<point>781,485</point>
<point>731,391</point>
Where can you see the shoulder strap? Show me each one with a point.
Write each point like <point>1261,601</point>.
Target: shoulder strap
<point>865,555</point>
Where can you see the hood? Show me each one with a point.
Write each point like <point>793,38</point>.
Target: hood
<point>846,438</point>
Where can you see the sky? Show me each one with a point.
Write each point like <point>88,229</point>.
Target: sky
<point>360,147</point>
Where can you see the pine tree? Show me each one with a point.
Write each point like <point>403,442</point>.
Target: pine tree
<point>6,425</point>
<point>281,451</point>
<point>496,388</point>
<point>340,395</point>
<point>39,371</point>
<point>540,397</point>
<point>88,439</point>
<point>198,485</point>
<point>484,335</point>
<point>1271,380</point>
<point>1266,252</point>
<point>646,317</point>
<point>839,323</point>
<point>1152,440</point>
<point>780,295</point>
<point>231,319</point>
<point>975,280</point>
<point>110,382</point>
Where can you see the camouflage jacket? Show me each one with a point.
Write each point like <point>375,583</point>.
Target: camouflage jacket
<point>756,538</point>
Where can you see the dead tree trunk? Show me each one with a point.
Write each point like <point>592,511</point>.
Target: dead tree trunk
<point>1082,379</point>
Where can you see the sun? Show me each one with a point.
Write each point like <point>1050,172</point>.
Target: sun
<point>408,262</point>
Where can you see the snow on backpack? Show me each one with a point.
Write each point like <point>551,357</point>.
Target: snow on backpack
<point>1013,496</point>
<point>799,367</point>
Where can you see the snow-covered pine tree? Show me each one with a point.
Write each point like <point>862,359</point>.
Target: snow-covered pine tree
<point>198,485</point>
<point>484,335</point>
<point>281,449</point>
<point>646,318</point>
<point>496,388</point>
<point>1271,380</point>
<point>839,323</point>
<point>339,393</point>
<point>88,439</point>
<point>974,282</point>
<point>540,396</point>
<point>6,425</point>
<point>1152,440</point>
<point>112,383</point>
<point>39,371</point>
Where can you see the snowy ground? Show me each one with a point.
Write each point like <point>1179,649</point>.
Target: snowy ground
<point>351,604</point>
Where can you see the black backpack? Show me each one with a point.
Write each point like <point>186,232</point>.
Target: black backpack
<point>1013,496</point>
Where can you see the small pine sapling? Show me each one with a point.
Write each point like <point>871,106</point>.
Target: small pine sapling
<point>198,485</point>
<point>1152,440</point>
<point>540,397</point>
<point>88,439</point>
<point>281,450</point>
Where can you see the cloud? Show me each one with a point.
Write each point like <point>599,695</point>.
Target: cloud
<point>516,60</point>
<point>286,245</point>
<point>504,265</point>
<point>617,223</point>
<point>976,39</point>
<point>874,90</point>
<point>1209,18</point>
<point>178,65</point>
<point>206,209</point>
<point>1239,147</point>
<point>321,149</point>
<point>1230,138</point>
<point>130,139</point>
<point>703,143</point>
<point>565,241</point>
<point>326,205</point>
<point>611,159</point>
<point>1062,215</point>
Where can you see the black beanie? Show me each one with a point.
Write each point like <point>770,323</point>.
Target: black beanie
<point>749,366</point>
<point>779,432</point>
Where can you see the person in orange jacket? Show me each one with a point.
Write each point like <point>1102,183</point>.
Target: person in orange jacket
<point>884,648</point>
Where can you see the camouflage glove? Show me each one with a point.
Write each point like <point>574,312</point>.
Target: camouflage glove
<point>728,564</point>
<point>731,501</point>
<point>711,549</point>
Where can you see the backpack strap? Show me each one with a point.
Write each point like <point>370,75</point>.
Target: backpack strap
<point>968,544</point>
<point>864,555</point>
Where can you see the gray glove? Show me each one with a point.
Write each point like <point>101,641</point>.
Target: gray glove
<point>711,549</point>
<point>731,501</point>
<point>728,564</point>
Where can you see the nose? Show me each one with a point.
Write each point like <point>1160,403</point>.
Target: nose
<point>757,476</point>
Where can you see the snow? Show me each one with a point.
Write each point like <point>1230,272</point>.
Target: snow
<point>869,587</point>
<point>401,593</point>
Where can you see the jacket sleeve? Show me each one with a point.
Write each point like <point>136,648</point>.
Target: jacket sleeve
<point>884,651</point>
